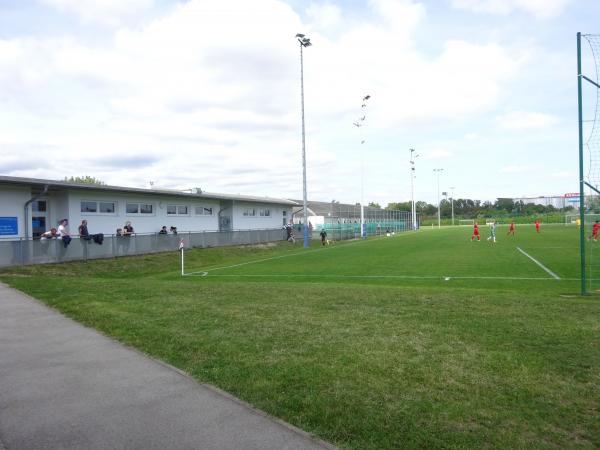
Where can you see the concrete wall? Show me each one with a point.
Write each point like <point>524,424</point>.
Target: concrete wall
<point>12,202</point>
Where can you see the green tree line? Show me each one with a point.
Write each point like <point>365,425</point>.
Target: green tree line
<point>465,208</point>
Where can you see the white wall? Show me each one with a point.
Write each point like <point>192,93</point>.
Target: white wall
<point>67,203</point>
<point>12,202</point>
<point>274,220</point>
<point>142,223</point>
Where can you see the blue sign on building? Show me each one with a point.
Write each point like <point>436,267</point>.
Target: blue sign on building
<point>9,226</point>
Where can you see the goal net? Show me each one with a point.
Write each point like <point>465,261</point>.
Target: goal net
<point>588,100</point>
<point>466,222</point>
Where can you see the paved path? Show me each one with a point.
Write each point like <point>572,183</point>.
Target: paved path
<point>66,386</point>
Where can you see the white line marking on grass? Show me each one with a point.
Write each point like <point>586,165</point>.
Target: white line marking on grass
<point>305,252</point>
<point>416,277</point>
<point>552,274</point>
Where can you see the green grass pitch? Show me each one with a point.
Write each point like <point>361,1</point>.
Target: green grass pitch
<point>419,340</point>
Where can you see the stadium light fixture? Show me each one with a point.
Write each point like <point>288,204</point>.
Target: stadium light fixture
<point>304,42</point>
<point>438,195</point>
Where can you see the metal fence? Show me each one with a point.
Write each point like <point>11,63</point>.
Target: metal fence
<point>43,251</point>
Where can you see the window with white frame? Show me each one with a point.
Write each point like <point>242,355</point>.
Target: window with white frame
<point>265,213</point>
<point>177,210</point>
<point>202,210</point>
<point>249,212</point>
<point>98,207</point>
<point>140,209</point>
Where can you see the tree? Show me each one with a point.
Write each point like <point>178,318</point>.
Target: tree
<point>86,179</point>
<point>374,205</point>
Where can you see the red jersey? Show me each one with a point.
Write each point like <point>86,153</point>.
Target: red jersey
<point>595,228</point>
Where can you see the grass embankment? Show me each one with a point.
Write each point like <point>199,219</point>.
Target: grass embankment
<point>350,343</point>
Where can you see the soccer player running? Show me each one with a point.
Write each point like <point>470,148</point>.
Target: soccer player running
<point>492,232</point>
<point>595,230</point>
<point>537,225</point>
<point>511,228</point>
<point>475,232</point>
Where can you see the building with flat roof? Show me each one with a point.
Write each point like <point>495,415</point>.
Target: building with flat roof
<point>30,206</point>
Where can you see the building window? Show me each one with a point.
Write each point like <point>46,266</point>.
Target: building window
<point>140,208</point>
<point>203,211</point>
<point>106,207</point>
<point>90,207</point>
<point>146,208</point>
<point>250,212</point>
<point>177,210</point>
<point>265,213</point>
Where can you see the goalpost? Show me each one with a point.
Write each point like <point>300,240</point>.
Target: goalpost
<point>466,222</point>
<point>591,143</point>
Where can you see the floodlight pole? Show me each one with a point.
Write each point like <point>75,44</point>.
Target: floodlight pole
<point>412,188</point>
<point>438,195</point>
<point>304,42</point>
<point>452,200</point>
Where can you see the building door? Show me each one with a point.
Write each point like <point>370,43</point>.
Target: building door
<point>225,214</point>
<point>39,217</point>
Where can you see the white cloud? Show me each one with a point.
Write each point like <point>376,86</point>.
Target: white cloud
<point>211,90</point>
<point>543,9</point>
<point>522,120</point>
<point>525,168</point>
<point>109,12</point>
<point>437,153</point>
<point>325,16</point>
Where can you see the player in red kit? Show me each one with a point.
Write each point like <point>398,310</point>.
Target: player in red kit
<point>595,230</point>
<point>537,225</point>
<point>511,228</point>
<point>475,232</point>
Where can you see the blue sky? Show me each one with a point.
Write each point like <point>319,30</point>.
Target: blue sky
<point>206,94</point>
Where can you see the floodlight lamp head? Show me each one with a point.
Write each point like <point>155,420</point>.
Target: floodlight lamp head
<point>299,35</point>
<point>305,42</point>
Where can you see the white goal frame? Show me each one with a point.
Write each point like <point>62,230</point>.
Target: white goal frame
<point>466,222</point>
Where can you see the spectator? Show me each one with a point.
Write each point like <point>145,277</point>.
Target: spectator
<point>174,230</point>
<point>127,229</point>
<point>163,230</point>
<point>63,232</point>
<point>52,233</point>
<point>83,230</point>
<point>85,234</point>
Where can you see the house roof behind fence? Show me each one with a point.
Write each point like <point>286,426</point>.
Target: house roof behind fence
<point>6,180</point>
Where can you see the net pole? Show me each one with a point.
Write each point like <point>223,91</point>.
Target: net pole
<point>581,181</point>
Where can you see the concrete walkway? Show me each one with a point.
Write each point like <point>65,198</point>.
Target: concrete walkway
<point>65,386</point>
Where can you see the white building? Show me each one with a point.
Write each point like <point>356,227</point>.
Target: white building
<point>29,206</point>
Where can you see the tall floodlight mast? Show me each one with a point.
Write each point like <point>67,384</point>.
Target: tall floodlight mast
<point>304,42</point>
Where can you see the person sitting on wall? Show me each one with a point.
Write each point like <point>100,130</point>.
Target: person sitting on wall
<point>63,232</point>
<point>52,233</point>
<point>83,231</point>
<point>119,232</point>
<point>127,229</point>
<point>85,234</point>
<point>174,230</point>
<point>163,230</point>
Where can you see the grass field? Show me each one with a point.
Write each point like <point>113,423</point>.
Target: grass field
<point>420,340</point>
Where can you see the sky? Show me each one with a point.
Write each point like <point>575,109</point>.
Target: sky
<point>205,93</point>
